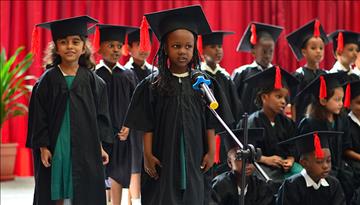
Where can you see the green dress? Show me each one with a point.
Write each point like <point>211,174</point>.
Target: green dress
<point>61,166</point>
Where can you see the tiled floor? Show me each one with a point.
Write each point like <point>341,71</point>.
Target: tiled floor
<point>20,192</point>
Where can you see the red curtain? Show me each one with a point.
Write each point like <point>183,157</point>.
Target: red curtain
<point>19,17</point>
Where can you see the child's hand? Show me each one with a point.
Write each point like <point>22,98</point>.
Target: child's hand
<point>104,156</point>
<point>150,162</point>
<point>288,163</point>
<point>45,156</point>
<point>123,134</point>
<point>208,162</point>
<point>274,161</point>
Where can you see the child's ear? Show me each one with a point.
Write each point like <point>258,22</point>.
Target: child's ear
<point>229,163</point>
<point>264,97</point>
<point>323,101</point>
<point>253,51</point>
<point>303,51</point>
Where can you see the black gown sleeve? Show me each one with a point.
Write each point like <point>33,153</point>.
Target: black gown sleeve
<point>31,117</point>
<point>288,193</point>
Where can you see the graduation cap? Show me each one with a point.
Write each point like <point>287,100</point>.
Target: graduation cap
<point>352,90</point>
<point>342,37</point>
<point>299,37</point>
<point>135,36</point>
<point>62,28</point>
<point>274,77</point>
<point>191,18</point>
<point>254,32</point>
<point>312,141</point>
<point>324,83</point>
<point>254,135</point>
<point>215,37</point>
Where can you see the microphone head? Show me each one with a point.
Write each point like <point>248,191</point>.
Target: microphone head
<point>195,74</point>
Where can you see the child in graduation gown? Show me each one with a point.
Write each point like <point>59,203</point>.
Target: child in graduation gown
<point>325,113</point>
<point>258,39</point>
<point>120,83</point>
<point>179,139</point>
<point>69,120</point>
<point>345,47</point>
<point>307,42</point>
<point>212,50</point>
<point>314,185</point>
<point>353,153</point>
<point>273,87</point>
<point>226,187</point>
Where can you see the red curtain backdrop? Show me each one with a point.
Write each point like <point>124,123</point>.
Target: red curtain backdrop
<point>19,17</point>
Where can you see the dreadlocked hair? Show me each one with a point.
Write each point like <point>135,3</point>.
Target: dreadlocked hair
<point>162,82</point>
<point>52,59</point>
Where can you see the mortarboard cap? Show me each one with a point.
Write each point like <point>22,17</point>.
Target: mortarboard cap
<point>215,37</point>
<point>254,32</point>
<point>299,37</point>
<point>191,18</point>
<point>135,36</point>
<point>312,141</point>
<point>254,135</point>
<point>275,77</point>
<point>342,37</point>
<point>110,32</point>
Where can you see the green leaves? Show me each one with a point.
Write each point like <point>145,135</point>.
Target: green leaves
<point>12,84</point>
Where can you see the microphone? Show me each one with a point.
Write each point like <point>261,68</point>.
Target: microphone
<point>202,85</point>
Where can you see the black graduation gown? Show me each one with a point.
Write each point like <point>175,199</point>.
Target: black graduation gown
<point>355,146</point>
<point>294,192</point>
<point>246,93</point>
<point>90,125</point>
<point>141,74</point>
<point>120,85</point>
<point>337,145</point>
<point>225,191</point>
<point>305,76</point>
<point>167,116</point>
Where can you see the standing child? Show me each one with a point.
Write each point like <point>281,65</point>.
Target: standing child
<point>179,142</point>
<point>70,120</point>
<point>314,185</point>
<point>259,39</point>
<point>325,114</point>
<point>346,46</point>
<point>309,42</point>
<point>213,54</point>
<point>273,87</point>
<point>121,84</point>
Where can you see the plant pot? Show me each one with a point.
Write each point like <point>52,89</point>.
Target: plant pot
<point>7,157</point>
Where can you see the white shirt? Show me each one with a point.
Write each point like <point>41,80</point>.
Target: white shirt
<point>102,64</point>
<point>356,71</point>
<point>339,67</point>
<point>245,191</point>
<point>180,75</point>
<point>218,68</point>
<point>242,68</point>
<point>310,182</point>
<point>354,118</point>
<point>129,64</point>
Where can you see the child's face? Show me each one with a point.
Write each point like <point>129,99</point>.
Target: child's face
<point>357,62</point>
<point>335,102</point>
<point>180,49</point>
<point>110,51</point>
<point>275,101</point>
<point>317,168</point>
<point>236,165</point>
<point>314,50</point>
<point>355,106</point>
<point>70,48</point>
<point>264,51</point>
<point>349,54</point>
<point>135,52</point>
<point>213,53</point>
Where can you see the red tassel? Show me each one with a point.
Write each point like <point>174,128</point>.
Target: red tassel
<point>253,37</point>
<point>319,154</point>
<point>35,41</point>
<point>217,149</point>
<point>347,96</point>
<point>96,40</point>
<point>340,42</point>
<point>278,83</point>
<point>145,44</point>
<point>317,28</point>
<point>125,47</point>
<point>322,92</point>
<point>199,45</point>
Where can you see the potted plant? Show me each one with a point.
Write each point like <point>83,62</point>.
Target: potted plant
<point>12,87</point>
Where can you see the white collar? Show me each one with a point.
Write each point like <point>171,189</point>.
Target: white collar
<point>129,65</point>
<point>181,75</point>
<point>354,118</point>
<point>205,67</point>
<point>310,182</point>
<point>340,67</point>
<point>255,64</point>
<point>252,65</point>
<point>239,190</point>
<point>356,71</point>
<point>102,64</point>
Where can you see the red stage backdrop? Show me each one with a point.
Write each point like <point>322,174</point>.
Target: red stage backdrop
<point>19,17</point>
